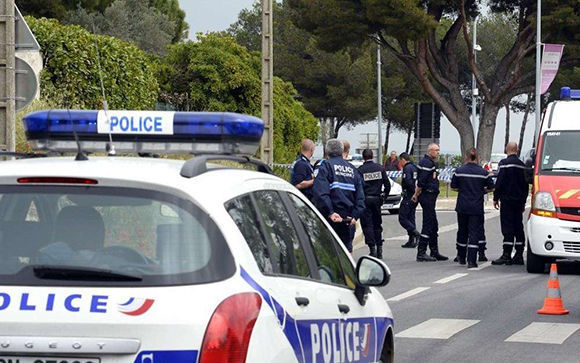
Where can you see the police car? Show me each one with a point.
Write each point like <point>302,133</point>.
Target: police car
<point>392,202</point>
<point>151,260</point>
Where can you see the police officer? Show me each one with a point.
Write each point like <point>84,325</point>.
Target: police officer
<point>408,207</point>
<point>510,195</point>
<point>374,178</point>
<point>472,182</point>
<point>302,173</point>
<point>426,193</point>
<point>338,192</point>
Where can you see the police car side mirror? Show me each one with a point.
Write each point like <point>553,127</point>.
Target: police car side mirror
<point>371,271</point>
<point>530,161</point>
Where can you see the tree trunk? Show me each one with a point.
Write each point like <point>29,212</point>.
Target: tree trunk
<point>386,150</point>
<point>409,132</point>
<point>524,121</point>
<point>486,130</point>
<point>507,124</point>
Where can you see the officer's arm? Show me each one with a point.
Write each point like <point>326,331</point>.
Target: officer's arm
<point>321,191</point>
<point>359,204</point>
<point>455,182</point>
<point>499,182</point>
<point>300,176</point>
<point>386,183</point>
<point>489,184</point>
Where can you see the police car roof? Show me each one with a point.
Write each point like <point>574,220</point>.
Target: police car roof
<point>224,183</point>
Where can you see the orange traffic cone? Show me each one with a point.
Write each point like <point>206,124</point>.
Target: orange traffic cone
<point>553,301</point>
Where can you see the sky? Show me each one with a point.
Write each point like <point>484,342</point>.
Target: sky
<point>215,15</point>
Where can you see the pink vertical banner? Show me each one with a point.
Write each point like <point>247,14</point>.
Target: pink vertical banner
<point>550,64</point>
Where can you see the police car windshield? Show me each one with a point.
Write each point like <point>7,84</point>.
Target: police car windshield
<point>560,152</point>
<point>70,235</point>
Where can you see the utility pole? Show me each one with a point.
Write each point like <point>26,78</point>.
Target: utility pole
<point>267,143</point>
<point>379,105</point>
<point>475,92</point>
<point>538,70</point>
<point>7,76</point>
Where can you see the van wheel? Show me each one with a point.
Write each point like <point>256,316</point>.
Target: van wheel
<point>388,352</point>
<point>535,264</point>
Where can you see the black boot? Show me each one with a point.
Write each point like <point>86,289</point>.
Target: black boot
<point>482,257</point>
<point>505,259</point>
<point>422,255</point>
<point>518,258</point>
<point>439,257</point>
<point>410,243</point>
<point>471,257</point>
<point>373,251</point>
<point>380,252</point>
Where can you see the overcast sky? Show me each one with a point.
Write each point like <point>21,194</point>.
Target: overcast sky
<point>215,15</point>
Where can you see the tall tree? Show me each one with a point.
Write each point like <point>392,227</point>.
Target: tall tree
<point>408,28</point>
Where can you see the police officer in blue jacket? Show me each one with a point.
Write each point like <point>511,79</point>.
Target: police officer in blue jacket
<point>408,207</point>
<point>510,195</point>
<point>375,179</point>
<point>302,173</point>
<point>472,182</point>
<point>338,192</point>
<point>426,193</point>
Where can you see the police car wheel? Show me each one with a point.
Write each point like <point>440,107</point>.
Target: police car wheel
<point>535,264</point>
<point>388,351</point>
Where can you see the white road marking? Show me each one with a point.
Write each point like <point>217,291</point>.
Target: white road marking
<point>407,294</point>
<point>450,278</point>
<point>437,328</point>
<point>546,333</point>
<point>482,266</point>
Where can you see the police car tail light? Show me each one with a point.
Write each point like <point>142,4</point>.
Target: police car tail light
<point>160,132</point>
<point>228,333</point>
<point>543,205</point>
<point>57,180</point>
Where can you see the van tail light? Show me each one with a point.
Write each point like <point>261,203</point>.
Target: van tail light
<point>227,336</point>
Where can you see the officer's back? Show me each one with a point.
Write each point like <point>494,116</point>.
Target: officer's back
<point>374,178</point>
<point>409,179</point>
<point>511,181</point>
<point>471,180</point>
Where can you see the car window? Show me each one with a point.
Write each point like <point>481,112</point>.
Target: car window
<point>287,255</point>
<point>120,230</point>
<point>323,243</point>
<point>243,213</point>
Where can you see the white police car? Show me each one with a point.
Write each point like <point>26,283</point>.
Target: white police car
<point>149,260</point>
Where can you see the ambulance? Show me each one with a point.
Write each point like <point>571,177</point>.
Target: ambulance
<point>553,227</point>
<point>144,259</point>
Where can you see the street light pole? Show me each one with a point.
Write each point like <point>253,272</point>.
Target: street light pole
<point>379,105</point>
<point>475,91</point>
<point>538,71</point>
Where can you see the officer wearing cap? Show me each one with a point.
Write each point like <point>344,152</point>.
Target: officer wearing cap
<point>408,207</point>
<point>472,182</point>
<point>426,193</point>
<point>375,179</point>
<point>302,173</point>
<point>338,192</point>
<point>511,192</point>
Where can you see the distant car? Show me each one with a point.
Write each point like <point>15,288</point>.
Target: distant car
<point>356,160</point>
<point>392,202</point>
<point>492,164</point>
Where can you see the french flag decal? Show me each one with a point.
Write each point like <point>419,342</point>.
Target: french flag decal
<point>366,340</point>
<point>135,306</point>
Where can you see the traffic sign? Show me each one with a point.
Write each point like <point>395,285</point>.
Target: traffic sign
<point>24,39</point>
<point>26,84</point>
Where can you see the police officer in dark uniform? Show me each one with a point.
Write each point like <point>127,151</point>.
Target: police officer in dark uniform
<point>338,192</point>
<point>472,182</point>
<point>302,173</point>
<point>408,207</point>
<point>510,195</point>
<point>426,193</point>
<point>374,178</point>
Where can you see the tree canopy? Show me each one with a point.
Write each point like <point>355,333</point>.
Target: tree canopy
<point>71,75</point>
<point>217,74</point>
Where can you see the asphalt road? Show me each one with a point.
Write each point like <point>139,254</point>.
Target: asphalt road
<point>444,312</point>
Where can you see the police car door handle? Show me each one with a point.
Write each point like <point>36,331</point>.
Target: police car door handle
<point>343,308</point>
<point>302,301</point>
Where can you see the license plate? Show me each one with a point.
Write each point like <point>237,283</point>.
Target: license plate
<point>10,359</point>
<point>389,206</point>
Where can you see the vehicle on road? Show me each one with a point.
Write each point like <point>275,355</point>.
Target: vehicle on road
<point>553,227</point>
<point>493,163</point>
<point>392,202</point>
<point>142,259</point>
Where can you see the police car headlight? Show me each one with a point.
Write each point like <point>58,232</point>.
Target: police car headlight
<point>543,201</point>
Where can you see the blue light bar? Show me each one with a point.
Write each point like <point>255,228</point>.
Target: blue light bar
<point>144,131</point>
<point>569,94</point>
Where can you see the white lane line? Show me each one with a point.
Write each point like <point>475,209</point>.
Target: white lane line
<point>482,266</point>
<point>546,333</point>
<point>437,328</point>
<point>407,294</point>
<point>450,278</point>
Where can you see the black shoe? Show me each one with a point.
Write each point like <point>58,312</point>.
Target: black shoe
<point>518,259</point>
<point>373,251</point>
<point>380,252</point>
<point>503,260</point>
<point>472,265</point>
<point>461,261</point>
<point>423,257</point>
<point>482,257</point>
<point>438,256</point>
<point>456,259</point>
<point>409,244</point>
